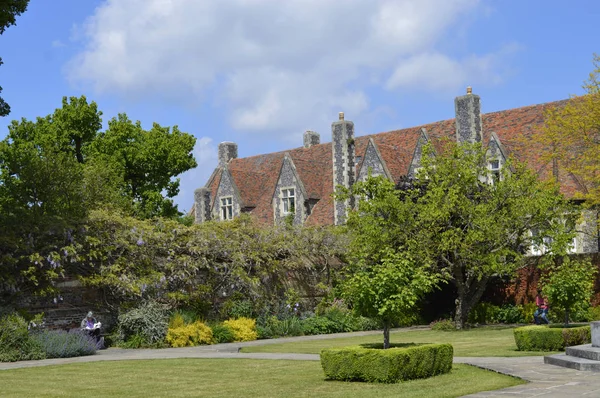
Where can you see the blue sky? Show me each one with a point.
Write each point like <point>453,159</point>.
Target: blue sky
<point>261,72</point>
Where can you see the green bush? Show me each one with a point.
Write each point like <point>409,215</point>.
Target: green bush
<point>223,334</point>
<point>594,314</point>
<point>318,325</point>
<point>544,338</point>
<point>445,325</point>
<point>148,322</point>
<point>291,326</point>
<point>16,343</point>
<point>387,366</point>
<point>486,313</point>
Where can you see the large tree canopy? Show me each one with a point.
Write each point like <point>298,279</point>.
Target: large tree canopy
<point>571,136</point>
<point>9,11</point>
<point>453,217</point>
<point>56,169</point>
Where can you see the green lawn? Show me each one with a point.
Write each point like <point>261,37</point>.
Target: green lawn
<point>479,342</point>
<point>228,378</point>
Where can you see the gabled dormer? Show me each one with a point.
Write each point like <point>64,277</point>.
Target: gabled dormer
<point>416,163</point>
<point>372,162</point>
<point>227,204</point>
<point>289,198</point>
<point>496,157</point>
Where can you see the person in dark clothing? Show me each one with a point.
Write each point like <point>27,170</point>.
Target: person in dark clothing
<point>540,316</point>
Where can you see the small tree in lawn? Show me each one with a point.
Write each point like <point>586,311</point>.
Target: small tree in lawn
<point>569,284</point>
<point>383,281</point>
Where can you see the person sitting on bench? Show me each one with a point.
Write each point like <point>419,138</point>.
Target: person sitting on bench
<point>91,326</point>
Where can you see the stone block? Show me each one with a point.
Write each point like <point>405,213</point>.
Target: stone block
<point>595,326</point>
<point>570,362</point>
<point>584,351</point>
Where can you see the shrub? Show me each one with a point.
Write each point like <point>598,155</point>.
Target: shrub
<point>318,325</point>
<point>387,366</point>
<point>176,321</point>
<point>483,313</point>
<point>16,343</point>
<point>274,327</point>
<point>222,334</point>
<point>510,314</point>
<point>149,322</point>
<point>60,344</point>
<point>196,333</point>
<point>594,314</point>
<point>244,329</point>
<point>360,323</point>
<point>544,338</point>
<point>445,325</point>
<point>527,312</point>
<point>135,341</point>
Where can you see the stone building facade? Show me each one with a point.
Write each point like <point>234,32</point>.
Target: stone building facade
<point>297,185</point>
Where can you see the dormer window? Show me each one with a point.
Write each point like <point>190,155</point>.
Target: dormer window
<point>227,208</point>
<point>494,167</point>
<point>288,197</point>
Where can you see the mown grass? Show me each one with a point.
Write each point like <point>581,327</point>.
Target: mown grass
<point>479,342</point>
<point>228,378</point>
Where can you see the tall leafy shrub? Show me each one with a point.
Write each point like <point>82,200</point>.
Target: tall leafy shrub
<point>149,322</point>
<point>16,343</point>
<point>569,285</point>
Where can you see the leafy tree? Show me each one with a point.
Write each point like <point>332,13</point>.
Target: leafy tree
<point>9,10</point>
<point>569,283</point>
<point>77,124</point>
<point>383,280</point>
<point>571,137</point>
<point>51,176</point>
<point>41,200</point>
<point>470,229</point>
<point>148,161</point>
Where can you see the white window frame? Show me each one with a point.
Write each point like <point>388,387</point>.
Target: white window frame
<point>226,208</point>
<point>288,200</point>
<point>494,172</point>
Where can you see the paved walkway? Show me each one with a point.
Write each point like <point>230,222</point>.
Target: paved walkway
<point>545,381</point>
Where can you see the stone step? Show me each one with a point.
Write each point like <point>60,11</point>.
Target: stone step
<point>568,361</point>
<point>586,351</point>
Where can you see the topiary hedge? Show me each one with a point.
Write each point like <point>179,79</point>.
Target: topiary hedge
<point>545,338</point>
<point>386,366</point>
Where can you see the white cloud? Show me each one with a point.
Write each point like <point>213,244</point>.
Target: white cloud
<point>205,153</point>
<point>276,64</point>
<point>438,72</point>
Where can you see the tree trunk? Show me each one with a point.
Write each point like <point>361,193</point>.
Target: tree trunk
<point>78,153</point>
<point>469,293</point>
<point>386,335</point>
<point>566,317</point>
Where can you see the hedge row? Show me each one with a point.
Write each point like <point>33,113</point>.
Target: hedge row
<point>386,366</point>
<point>545,338</point>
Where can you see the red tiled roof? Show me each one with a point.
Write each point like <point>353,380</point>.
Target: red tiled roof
<point>256,176</point>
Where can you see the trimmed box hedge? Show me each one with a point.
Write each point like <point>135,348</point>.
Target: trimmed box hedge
<point>548,338</point>
<point>386,366</point>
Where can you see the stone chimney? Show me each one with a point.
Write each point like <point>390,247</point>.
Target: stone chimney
<point>468,118</point>
<point>344,167</point>
<point>202,204</point>
<point>311,138</point>
<point>227,152</point>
